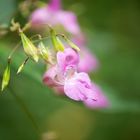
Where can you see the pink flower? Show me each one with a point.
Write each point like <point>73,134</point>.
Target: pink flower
<point>54,16</point>
<point>64,79</point>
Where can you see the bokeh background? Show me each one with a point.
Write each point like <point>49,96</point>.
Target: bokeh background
<point>113,29</point>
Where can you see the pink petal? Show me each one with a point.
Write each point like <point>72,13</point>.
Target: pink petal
<point>54,16</point>
<point>40,16</point>
<point>71,89</point>
<point>67,58</point>
<point>79,39</point>
<point>101,99</point>
<point>59,90</point>
<point>49,76</point>
<point>69,21</point>
<point>79,87</point>
<point>88,62</point>
<point>54,5</point>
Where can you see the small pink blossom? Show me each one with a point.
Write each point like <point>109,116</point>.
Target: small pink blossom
<point>53,15</point>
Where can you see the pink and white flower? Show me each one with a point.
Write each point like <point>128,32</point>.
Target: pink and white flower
<point>64,77</point>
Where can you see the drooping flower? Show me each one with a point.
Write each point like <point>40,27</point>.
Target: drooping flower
<point>53,15</point>
<point>65,79</point>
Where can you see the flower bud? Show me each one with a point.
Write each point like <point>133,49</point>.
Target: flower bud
<point>43,51</point>
<point>6,77</point>
<point>72,44</point>
<point>56,42</point>
<point>29,47</point>
<point>22,66</point>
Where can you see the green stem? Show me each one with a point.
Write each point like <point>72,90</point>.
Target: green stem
<point>13,51</point>
<point>41,39</point>
<point>25,109</point>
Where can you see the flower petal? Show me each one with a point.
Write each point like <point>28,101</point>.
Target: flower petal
<point>71,89</point>
<point>87,56</point>
<point>69,21</point>
<point>101,100</point>
<point>78,87</point>
<point>67,58</point>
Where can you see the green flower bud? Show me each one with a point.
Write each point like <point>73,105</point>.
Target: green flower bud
<point>43,51</point>
<point>22,66</point>
<point>6,77</point>
<point>29,47</point>
<point>56,41</point>
<point>72,45</point>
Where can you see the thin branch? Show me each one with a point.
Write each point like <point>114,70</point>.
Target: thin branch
<point>13,51</point>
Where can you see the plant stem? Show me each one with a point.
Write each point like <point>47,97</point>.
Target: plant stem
<point>13,51</point>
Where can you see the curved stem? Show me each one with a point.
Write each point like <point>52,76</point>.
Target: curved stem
<point>13,51</point>
<point>34,36</point>
<point>43,38</point>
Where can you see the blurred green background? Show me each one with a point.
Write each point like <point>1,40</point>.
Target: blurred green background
<point>113,29</point>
